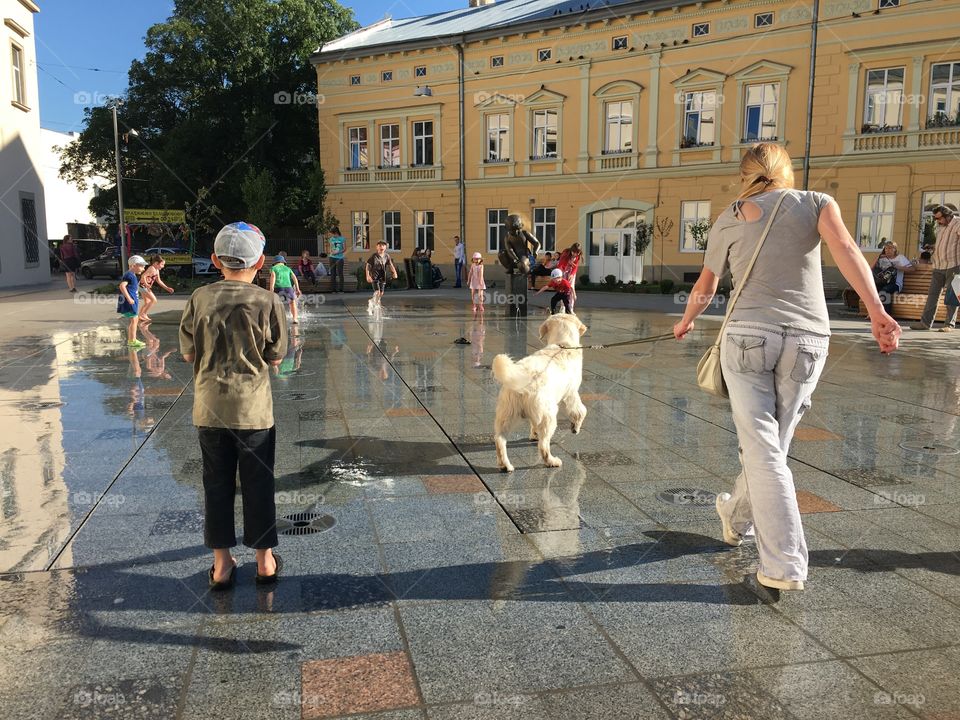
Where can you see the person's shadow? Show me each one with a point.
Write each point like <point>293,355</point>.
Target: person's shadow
<point>94,590</point>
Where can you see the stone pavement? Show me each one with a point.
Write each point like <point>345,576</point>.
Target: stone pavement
<point>422,583</point>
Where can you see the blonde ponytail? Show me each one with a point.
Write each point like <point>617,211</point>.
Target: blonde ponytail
<point>765,166</point>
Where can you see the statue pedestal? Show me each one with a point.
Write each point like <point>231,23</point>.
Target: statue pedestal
<point>517,292</point>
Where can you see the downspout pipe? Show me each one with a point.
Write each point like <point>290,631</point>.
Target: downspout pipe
<point>814,27</point>
<point>463,159</point>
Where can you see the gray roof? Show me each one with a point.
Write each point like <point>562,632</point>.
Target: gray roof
<point>464,20</point>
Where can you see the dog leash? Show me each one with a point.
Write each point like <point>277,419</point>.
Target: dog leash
<point>638,341</point>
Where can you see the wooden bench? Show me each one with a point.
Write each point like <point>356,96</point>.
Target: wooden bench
<point>909,304</point>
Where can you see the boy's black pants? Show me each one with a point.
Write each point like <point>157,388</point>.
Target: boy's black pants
<point>560,298</point>
<point>225,451</point>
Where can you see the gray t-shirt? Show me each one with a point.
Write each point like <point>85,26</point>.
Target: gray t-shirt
<point>234,329</point>
<point>785,286</point>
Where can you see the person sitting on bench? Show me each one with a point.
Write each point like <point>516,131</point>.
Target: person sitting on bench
<point>542,268</point>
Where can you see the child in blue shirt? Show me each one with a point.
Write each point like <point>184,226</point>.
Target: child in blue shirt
<point>128,302</point>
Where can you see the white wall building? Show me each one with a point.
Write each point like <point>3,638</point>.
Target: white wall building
<point>65,203</point>
<point>23,225</point>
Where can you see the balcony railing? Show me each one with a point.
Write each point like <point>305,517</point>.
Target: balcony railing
<point>907,140</point>
<point>615,162</point>
<point>392,174</point>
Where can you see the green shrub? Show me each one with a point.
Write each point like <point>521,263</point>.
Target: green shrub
<point>666,286</point>
<point>610,280</point>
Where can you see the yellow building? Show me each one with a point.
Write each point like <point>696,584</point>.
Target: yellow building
<point>598,120</point>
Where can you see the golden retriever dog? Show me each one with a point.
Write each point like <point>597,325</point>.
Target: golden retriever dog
<point>534,388</point>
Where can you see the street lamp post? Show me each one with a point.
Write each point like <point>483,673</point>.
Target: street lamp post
<point>120,228</point>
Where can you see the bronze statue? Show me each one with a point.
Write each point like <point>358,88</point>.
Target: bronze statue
<point>514,255</point>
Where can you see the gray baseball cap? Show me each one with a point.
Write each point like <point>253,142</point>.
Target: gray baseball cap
<point>239,245</point>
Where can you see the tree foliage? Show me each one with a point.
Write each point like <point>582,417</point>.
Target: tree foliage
<point>222,103</point>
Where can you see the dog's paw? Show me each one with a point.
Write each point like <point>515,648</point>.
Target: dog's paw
<point>506,469</point>
<point>553,461</point>
<point>574,428</point>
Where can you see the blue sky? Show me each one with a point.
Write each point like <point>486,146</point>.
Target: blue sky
<point>75,36</point>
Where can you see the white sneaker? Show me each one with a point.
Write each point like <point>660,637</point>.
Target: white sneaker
<point>779,584</point>
<point>730,537</point>
<point>370,307</point>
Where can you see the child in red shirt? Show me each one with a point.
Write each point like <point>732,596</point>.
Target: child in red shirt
<point>561,288</point>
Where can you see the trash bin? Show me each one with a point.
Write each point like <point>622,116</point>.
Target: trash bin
<point>423,279</point>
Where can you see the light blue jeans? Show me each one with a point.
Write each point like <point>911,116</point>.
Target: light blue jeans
<point>771,372</point>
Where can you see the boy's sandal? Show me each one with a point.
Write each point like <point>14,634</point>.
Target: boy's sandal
<point>227,584</point>
<point>267,579</point>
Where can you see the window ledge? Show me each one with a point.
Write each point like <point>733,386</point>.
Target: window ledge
<point>544,158</point>
<point>20,106</point>
<point>695,148</point>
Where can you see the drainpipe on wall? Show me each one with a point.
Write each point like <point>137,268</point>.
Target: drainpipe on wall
<point>463,161</point>
<point>813,73</point>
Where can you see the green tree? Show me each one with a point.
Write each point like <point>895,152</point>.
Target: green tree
<point>224,94</point>
<point>259,192</point>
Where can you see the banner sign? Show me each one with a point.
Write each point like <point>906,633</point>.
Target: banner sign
<point>145,215</point>
<point>177,259</point>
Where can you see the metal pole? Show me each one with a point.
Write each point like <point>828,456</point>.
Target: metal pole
<point>813,75</point>
<point>120,228</point>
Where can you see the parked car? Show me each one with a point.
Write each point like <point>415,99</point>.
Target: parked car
<point>201,265</point>
<point>106,263</point>
<point>88,250</point>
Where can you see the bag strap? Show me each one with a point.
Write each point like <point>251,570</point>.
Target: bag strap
<point>753,260</point>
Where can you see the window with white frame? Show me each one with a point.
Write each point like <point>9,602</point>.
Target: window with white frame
<point>875,213</point>
<point>424,220</point>
<point>545,227</point>
<point>618,131</point>
<point>390,146</point>
<point>498,138</point>
<point>358,147</point>
<point>386,76</point>
<point>761,20</point>
<point>391,229</point>
<point>691,213</point>
<point>944,93</point>
<point>19,78</point>
<point>619,42</point>
<point>420,71</point>
<point>496,61</point>
<point>888,4</point>
<point>354,79</point>
<point>423,142</point>
<point>883,102</point>
<point>361,229</point>
<point>496,229</point>
<point>544,54</point>
<point>699,118</point>
<point>949,198</point>
<point>701,29</point>
<point>760,112</point>
<point>544,134</point>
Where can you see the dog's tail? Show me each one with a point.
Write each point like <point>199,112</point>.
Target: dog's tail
<point>509,374</point>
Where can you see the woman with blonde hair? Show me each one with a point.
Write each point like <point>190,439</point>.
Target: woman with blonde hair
<point>775,343</point>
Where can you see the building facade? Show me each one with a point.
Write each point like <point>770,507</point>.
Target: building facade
<point>621,127</point>
<point>23,234</point>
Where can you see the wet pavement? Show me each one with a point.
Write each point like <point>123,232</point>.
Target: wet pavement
<point>422,583</point>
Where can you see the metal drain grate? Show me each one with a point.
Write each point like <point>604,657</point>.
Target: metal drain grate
<point>930,447</point>
<point>694,497</point>
<point>42,405</point>
<point>305,523</point>
<point>298,396</point>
